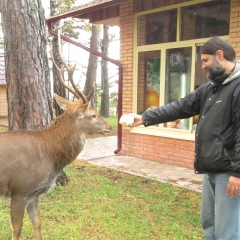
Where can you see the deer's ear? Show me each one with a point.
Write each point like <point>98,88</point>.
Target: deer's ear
<point>62,102</point>
<point>83,109</point>
<point>86,106</point>
<point>89,105</point>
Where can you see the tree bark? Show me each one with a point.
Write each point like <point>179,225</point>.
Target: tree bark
<point>92,64</point>
<point>27,69</point>
<point>105,85</point>
<point>57,86</point>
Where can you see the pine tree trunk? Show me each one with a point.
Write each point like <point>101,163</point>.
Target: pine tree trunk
<point>27,70</point>
<point>92,64</point>
<point>105,84</point>
<point>57,86</point>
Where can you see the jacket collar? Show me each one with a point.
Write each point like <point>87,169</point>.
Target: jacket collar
<point>234,74</point>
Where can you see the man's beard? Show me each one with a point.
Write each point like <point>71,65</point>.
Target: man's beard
<point>216,70</point>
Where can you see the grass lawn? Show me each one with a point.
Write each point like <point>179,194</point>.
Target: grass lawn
<point>100,203</point>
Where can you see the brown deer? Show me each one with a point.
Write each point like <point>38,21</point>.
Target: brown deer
<point>31,160</point>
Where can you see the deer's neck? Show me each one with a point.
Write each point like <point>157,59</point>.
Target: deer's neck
<point>65,142</point>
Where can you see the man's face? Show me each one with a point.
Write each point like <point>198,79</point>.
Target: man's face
<point>212,66</point>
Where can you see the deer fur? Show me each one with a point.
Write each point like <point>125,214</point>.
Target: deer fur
<point>31,160</point>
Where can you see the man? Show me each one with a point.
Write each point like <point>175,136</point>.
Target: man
<point>217,139</point>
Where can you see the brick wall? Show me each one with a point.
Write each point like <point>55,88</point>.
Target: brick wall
<point>126,46</point>
<point>160,149</point>
<point>3,101</point>
<point>235,26</point>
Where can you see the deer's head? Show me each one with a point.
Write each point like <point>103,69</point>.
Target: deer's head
<point>84,116</point>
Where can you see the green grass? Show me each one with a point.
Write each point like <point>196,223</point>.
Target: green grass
<point>100,203</point>
<point>113,121</point>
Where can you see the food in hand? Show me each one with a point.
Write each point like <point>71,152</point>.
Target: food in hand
<point>127,120</point>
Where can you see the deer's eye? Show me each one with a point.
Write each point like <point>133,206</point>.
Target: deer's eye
<point>94,116</point>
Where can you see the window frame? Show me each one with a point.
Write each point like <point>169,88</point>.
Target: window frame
<point>160,130</point>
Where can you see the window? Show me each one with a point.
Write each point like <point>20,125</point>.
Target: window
<point>178,79</point>
<point>178,73</point>
<point>205,20</point>
<point>200,75</point>
<point>168,59</point>
<point>157,28</point>
<point>148,80</point>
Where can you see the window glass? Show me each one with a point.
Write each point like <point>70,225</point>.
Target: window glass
<point>199,78</point>
<point>148,80</point>
<point>200,75</point>
<point>205,20</point>
<point>178,79</point>
<point>197,21</point>
<point>158,27</point>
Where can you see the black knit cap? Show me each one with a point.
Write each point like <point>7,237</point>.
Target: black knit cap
<point>216,43</point>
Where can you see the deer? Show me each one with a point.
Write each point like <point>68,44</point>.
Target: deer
<point>31,160</point>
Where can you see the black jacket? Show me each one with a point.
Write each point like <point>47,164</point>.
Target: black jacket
<point>217,145</point>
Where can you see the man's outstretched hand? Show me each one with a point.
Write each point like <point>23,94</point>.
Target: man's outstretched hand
<point>138,119</point>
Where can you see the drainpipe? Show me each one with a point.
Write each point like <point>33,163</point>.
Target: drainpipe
<point>120,78</point>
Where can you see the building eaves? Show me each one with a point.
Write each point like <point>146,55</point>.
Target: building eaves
<point>77,11</point>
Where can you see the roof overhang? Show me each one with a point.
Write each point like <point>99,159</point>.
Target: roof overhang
<point>97,11</point>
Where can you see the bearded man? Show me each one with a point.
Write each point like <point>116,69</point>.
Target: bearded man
<point>217,139</point>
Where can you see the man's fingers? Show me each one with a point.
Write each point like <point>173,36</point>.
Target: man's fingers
<point>233,190</point>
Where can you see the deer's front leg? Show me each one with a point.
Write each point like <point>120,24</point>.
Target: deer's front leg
<point>18,205</point>
<point>33,213</point>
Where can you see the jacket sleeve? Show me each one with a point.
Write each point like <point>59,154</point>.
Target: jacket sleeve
<point>182,108</point>
<point>236,127</point>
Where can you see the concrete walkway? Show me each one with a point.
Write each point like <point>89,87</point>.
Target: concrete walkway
<point>100,151</point>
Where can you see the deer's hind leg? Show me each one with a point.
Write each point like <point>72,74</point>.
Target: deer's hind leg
<point>18,205</point>
<point>33,213</point>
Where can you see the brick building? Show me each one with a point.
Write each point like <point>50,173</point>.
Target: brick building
<point>159,52</point>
